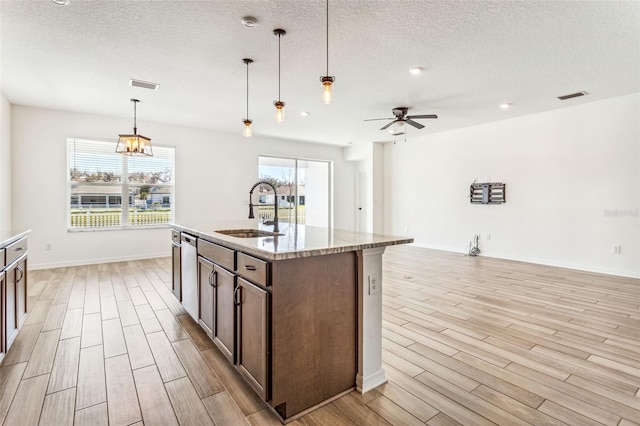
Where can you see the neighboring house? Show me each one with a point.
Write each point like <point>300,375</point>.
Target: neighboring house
<point>286,196</point>
<point>160,196</point>
<point>91,196</point>
<point>101,197</point>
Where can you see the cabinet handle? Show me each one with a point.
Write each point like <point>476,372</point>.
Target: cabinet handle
<point>236,292</point>
<point>19,269</point>
<point>249,267</point>
<point>213,279</point>
<point>18,249</point>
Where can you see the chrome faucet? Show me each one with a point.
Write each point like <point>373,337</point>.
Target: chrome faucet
<point>273,222</point>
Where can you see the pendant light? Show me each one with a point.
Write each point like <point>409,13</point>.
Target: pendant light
<point>134,144</point>
<point>279,104</point>
<point>246,132</point>
<point>327,80</point>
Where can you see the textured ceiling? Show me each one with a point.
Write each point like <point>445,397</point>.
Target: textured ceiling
<point>475,54</point>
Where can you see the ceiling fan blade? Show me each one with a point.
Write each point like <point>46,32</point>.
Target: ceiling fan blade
<point>422,116</point>
<point>388,125</point>
<point>414,123</point>
<point>376,119</point>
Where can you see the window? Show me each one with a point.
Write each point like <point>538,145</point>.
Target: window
<point>99,180</point>
<point>304,190</point>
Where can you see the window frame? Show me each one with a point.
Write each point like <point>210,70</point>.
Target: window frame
<point>124,195</point>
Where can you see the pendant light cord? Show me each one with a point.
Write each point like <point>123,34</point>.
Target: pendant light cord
<point>279,37</point>
<point>327,37</point>
<point>247,89</point>
<point>135,126</point>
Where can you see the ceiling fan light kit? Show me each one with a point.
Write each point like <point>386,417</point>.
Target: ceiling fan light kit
<point>401,118</point>
<point>134,144</point>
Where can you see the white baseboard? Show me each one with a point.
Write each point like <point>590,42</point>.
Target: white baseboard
<point>545,262</point>
<point>81,262</point>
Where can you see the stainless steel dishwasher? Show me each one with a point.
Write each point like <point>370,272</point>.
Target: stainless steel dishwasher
<point>189,255</point>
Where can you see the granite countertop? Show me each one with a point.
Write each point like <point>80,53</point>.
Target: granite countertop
<point>295,241</point>
<point>9,236</point>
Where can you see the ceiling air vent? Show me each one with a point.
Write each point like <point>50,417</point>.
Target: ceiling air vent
<point>572,95</point>
<point>143,84</point>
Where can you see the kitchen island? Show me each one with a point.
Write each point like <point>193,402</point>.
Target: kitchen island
<point>298,313</point>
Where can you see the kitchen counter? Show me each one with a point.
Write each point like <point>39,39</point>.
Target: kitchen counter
<point>310,300</point>
<point>296,241</point>
<point>9,236</point>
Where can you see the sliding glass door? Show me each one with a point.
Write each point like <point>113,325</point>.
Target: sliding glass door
<point>303,190</point>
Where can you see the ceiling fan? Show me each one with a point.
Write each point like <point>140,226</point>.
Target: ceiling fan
<point>401,116</point>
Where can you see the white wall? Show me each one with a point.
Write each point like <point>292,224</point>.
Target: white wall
<point>5,166</point>
<point>573,187</point>
<point>214,172</point>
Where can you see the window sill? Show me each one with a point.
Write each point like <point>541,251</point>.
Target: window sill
<point>117,228</point>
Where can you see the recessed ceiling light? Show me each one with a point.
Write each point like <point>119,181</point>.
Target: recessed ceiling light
<point>249,21</point>
<point>305,113</point>
<point>505,105</point>
<point>61,2</point>
<point>415,70</point>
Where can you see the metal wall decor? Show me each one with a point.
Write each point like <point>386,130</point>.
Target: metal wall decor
<point>487,193</point>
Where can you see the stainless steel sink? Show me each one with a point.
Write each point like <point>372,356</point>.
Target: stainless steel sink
<point>247,233</point>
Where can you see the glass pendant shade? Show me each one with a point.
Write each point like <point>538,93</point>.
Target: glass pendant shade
<point>246,131</point>
<point>134,144</point>
<point>327,92</point>
<point>279,111</point>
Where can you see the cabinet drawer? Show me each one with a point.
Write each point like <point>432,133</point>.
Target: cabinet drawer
<point>253,269</point>
<point>175,236</point>
<point>15,250</point>
<point>217,254</point>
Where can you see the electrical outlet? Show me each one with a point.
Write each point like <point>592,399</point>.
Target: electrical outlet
<point>47,246</point>
<point>488,237</point>
<point>374,284</point>
<point>616,249</point>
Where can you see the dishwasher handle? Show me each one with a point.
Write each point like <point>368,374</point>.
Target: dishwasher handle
<point>189,239</point>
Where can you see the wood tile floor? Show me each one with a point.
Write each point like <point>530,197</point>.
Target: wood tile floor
<point>471,341</point>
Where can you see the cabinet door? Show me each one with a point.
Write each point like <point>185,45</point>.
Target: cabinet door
<point>252,305</point>
<point>205,294</point>
<point>2,312</point>
<point>176,272</point>
<point>10,323</point>
<point>21,292</point>
<point>224,312</point>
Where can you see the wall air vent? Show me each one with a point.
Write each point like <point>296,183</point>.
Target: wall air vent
<point>572,95</point>
<point>143,84</point>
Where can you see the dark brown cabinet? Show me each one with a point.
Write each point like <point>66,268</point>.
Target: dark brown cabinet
<point>224,312</point>
<point>205,294</point>
<point>252,304</point>
<point>2,312</point>
<point>289,326</point>
<point>21,291</point>
<point>14,291</point>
